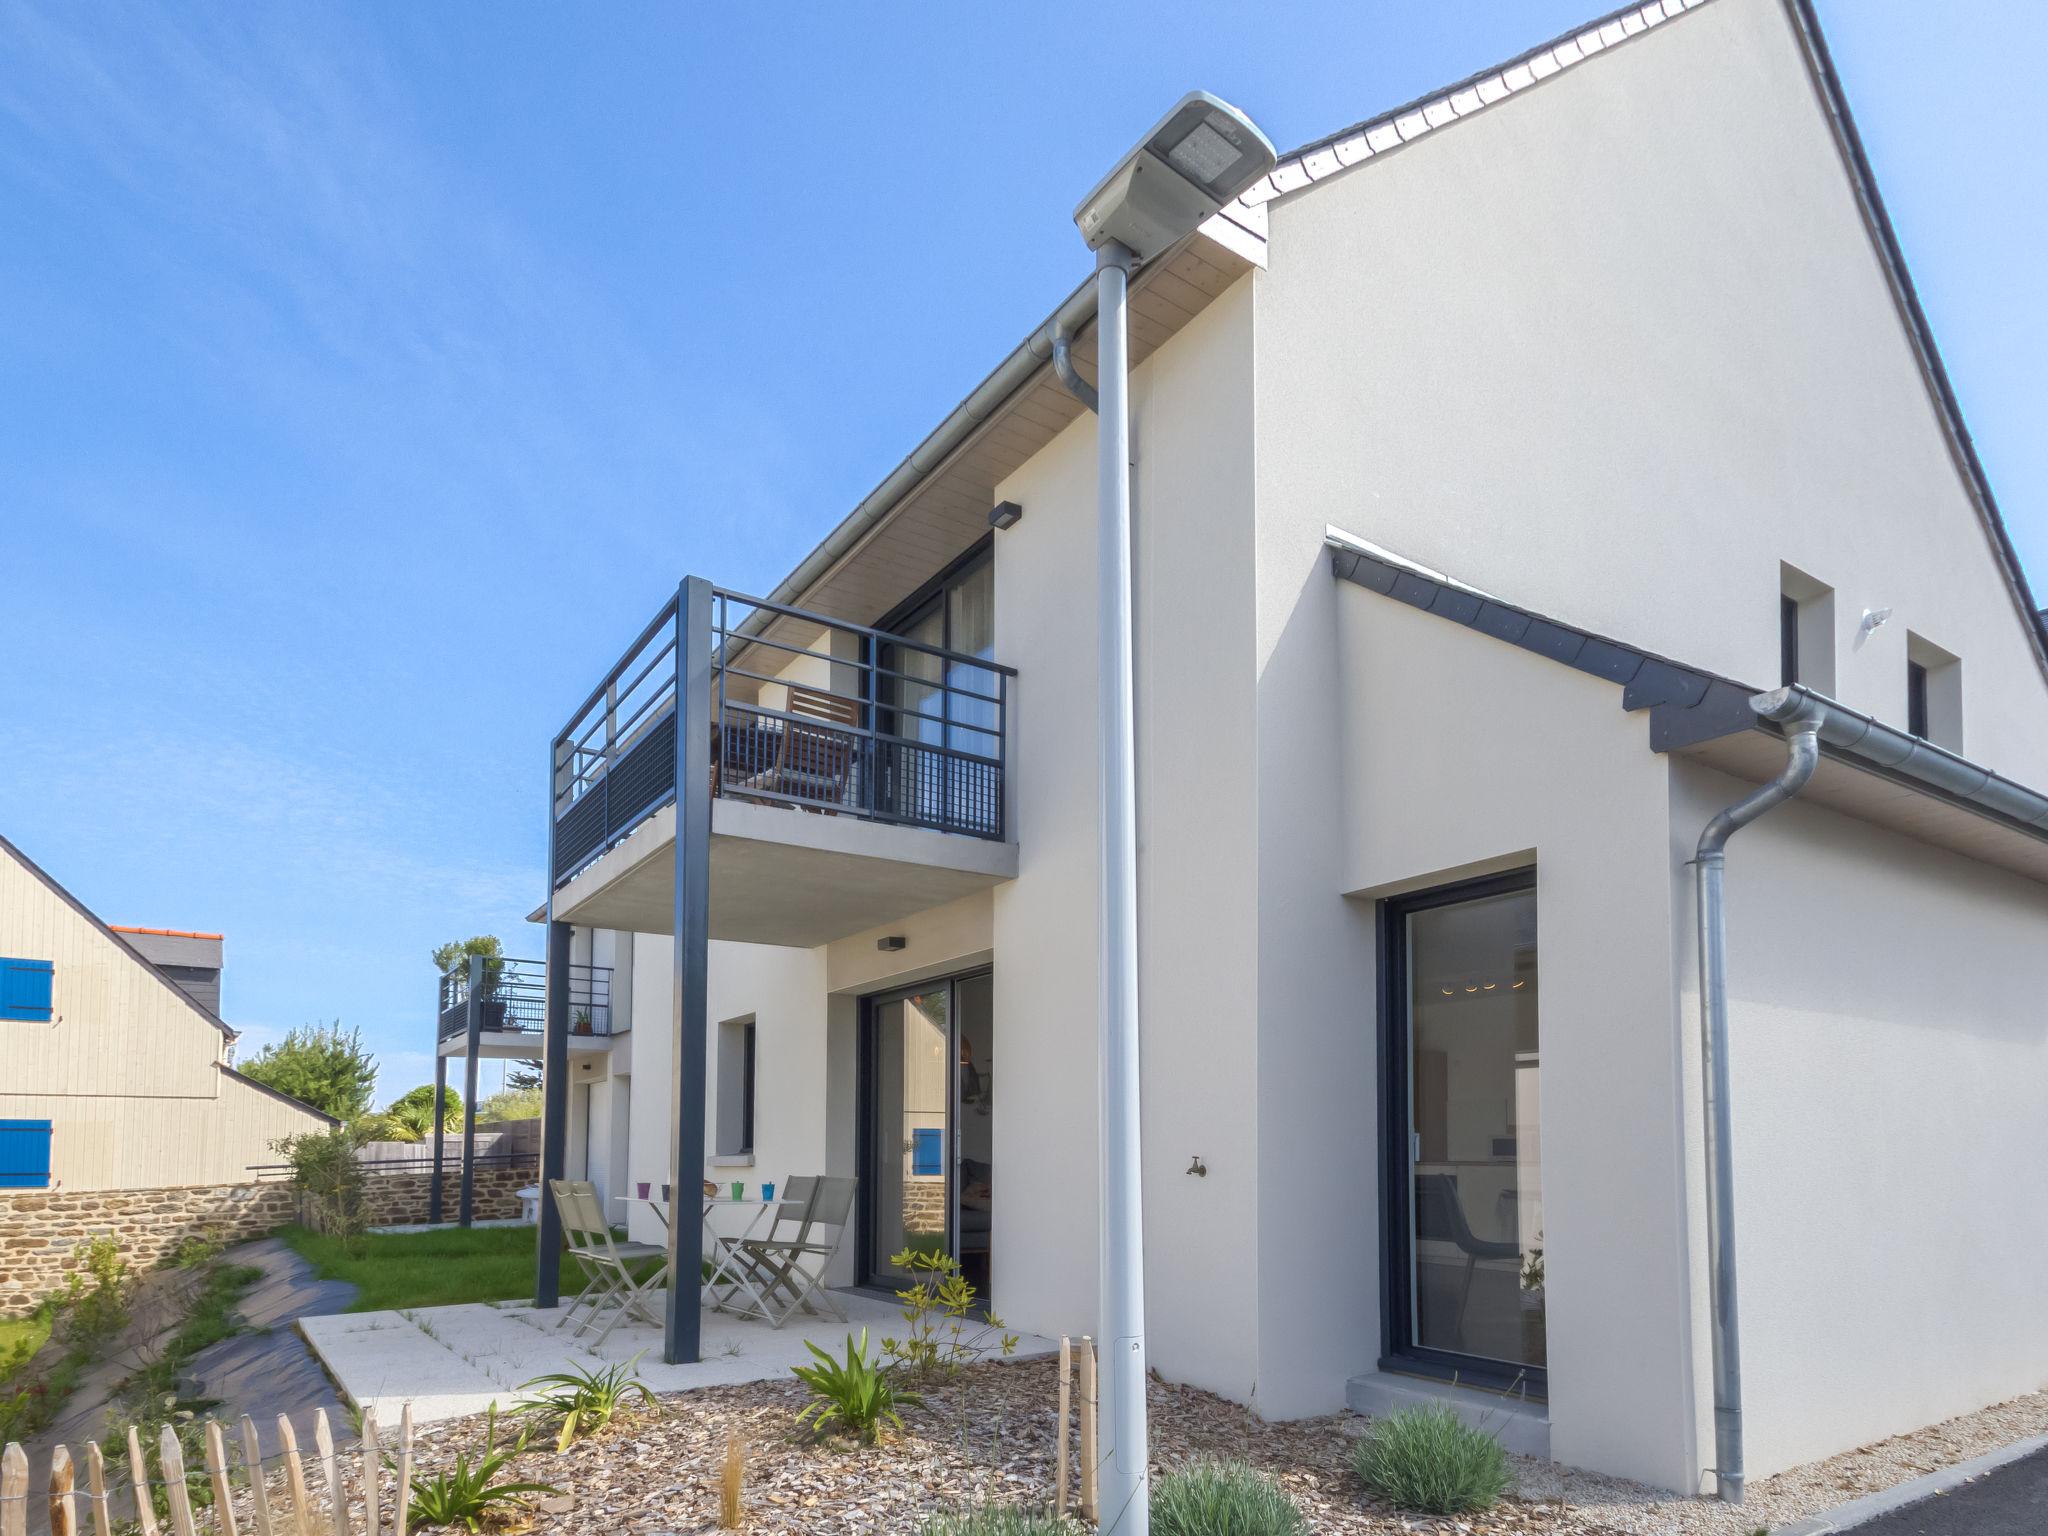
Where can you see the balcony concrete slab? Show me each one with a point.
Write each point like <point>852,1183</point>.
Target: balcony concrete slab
<point>780,875</point>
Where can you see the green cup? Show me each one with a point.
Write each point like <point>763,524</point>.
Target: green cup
<point>739,1190</point>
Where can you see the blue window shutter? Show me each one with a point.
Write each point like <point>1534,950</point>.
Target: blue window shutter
<point>927,1152</point>
<point>24,1154</point>
<point>25,989</point>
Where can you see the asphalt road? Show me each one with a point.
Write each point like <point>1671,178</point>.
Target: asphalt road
<point>2011,1501</point>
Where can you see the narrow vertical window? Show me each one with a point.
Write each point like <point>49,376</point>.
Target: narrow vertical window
<point>747,1094</point>
<point>1806,631</point>
<point>1916,699</point>
<point>735,1089</point>
<point>1788,640</point>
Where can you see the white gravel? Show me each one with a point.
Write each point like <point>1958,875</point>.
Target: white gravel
<point>1614,1504</point>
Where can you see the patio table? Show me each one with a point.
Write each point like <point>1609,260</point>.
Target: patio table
<point>724,1247</point>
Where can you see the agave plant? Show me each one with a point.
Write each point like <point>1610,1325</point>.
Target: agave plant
<point>857,1397</point>
<point>464,1494</point>
<point>585,1401</point>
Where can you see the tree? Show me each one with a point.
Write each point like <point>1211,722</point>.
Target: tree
<point>410,1116</point>
<point>321,1065</point>
<point>524,1075</point>
<point>485,944</point>
<point>510,1104</point>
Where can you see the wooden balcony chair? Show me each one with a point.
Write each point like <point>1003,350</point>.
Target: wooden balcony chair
<point>813,754</point>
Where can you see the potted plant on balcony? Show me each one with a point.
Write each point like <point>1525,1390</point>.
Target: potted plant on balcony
<point>579,1022</point>
<point>457,953</point>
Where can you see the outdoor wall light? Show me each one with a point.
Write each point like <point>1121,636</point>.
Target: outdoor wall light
<point>894,941</point>
<point>1201,155</point>
<point>1004,514</point>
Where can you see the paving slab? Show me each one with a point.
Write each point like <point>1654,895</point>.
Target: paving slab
<point>448,1362</point>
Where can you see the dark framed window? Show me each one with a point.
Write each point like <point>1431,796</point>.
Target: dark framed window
<point>1788,641</point>
<point>1916,699</point>
<point>25,988</point>
<point>1461,1187</point>
<point>747,1092</point>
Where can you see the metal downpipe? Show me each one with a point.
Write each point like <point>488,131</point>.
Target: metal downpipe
<point>1802,720</point>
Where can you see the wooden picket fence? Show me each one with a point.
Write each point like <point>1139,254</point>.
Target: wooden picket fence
<point>1070,1349</point>
<point>350,1497</point>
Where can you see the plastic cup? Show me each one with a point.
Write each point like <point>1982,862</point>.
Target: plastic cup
<point>767,1194</point>
<point>739,1190</point>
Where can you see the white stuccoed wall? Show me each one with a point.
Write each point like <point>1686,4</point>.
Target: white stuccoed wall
<point>1192,508</point>
<point>1889,1046</point>
<point>1616,348</point>
<point>1463,756</point>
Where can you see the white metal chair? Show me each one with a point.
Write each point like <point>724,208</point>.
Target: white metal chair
<point>789,1272</point>
<point>607,1263</point>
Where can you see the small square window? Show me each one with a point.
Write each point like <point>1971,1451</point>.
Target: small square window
<point>25,989</point>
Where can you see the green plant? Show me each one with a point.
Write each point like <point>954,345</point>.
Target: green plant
<point>320,1065</point>
<point>456,953</point>
<point>585,1400</point>
<point>996,1520</point>
<point>856,1398</point>
<point>464,1494</point>
<point>99,1312</point>
<point>944,1332</point>
<point>410,1116</point>
<point>1223,1498</point>
<point>1427,1458</point>
<point>511,1104</point>
<point>195,1249</point>
<point>325,1170</point>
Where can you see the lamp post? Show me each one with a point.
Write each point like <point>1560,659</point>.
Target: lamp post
<point>1201,155</point>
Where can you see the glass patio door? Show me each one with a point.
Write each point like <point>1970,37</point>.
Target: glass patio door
<point>1466,1281</point>
<point>928,1072</point>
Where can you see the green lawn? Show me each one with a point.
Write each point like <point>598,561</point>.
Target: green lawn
<point>21,1337</point>
<point>429,1269</point>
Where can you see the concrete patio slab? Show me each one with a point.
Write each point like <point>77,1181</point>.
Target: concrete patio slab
<point>452,1361</point>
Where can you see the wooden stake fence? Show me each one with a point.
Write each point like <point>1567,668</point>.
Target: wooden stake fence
<point>253,1493</point>
<point>1062,1485</point>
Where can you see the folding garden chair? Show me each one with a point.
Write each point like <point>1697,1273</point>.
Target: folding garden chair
<point>731,1270</point>
<point>789,1272</point>
<point>607,1264</point>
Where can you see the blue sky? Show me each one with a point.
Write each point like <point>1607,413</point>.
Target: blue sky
<point>369,373</point>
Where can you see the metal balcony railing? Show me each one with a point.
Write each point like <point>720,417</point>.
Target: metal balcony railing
<point>804,711</point>
<point>512,995</point>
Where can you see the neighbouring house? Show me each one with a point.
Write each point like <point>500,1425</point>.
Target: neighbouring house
<point>1497,461</point>
<point>119,1109</point>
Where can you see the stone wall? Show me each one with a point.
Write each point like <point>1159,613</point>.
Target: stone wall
<point>400,1199</point>
<point>44,1233</point>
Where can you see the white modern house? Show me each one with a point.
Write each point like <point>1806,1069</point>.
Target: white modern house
<point>1521,477</point>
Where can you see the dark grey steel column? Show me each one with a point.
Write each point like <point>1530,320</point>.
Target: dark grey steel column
<point>692,950</point>
<point>466,1212</point>
<point>554,1125</point>
<point>440,1114</point>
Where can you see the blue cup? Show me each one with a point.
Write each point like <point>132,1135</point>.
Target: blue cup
<point>767,1194</point>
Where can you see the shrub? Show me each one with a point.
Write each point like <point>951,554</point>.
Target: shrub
<point>99,1311</point>
<point>326,1173</point>
<point>321,1065</point>
<point>464,1494</point>
<point>997,1520</point>
<point>856,1398</point>
<point>943,1332</point>
<point>585,1400</point>
<point>1223,1498</point>
<point>1427,1458</point>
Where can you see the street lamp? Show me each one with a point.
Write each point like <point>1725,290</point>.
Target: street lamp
<point>1201,155</point>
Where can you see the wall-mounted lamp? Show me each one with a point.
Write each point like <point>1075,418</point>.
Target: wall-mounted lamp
<point>1004,514</point>
<point>1873,618</point>
<point>894,941</point>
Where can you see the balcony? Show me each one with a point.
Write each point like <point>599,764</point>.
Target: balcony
<point>854,775</point>
<point>510,998</point>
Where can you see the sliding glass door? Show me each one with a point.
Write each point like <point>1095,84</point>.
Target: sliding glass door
<point>1461,1062</point>
<point>928,1089</point>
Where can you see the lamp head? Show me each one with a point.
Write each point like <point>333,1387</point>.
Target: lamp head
<point>1199,156</point>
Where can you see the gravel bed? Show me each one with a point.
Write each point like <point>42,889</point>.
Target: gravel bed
<point>1613,1504</point>
<point>989,1435</point>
